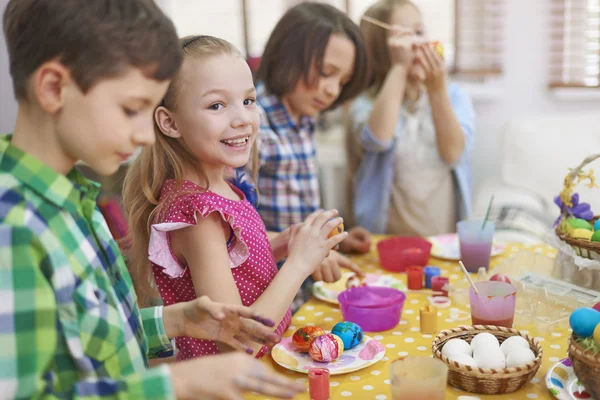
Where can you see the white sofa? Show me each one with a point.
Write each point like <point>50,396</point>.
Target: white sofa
<point>536,155</point>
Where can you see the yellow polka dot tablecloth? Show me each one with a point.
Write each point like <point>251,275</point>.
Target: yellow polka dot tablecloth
<point>406,339</point>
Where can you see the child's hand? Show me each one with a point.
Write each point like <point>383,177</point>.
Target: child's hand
<point>400,42</point>
<point>433,67</point>
<point>358,241</point>
<point>330,269</point>
<point>309,244</point>
<point>234,325</point>
<point>227,377</point>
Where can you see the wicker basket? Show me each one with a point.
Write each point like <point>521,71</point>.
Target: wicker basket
<point>583,248</point>
<point>487,381</point>
<point>586,366</point>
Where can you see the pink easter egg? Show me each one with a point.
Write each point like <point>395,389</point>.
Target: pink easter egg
<point>326,348</point>
<point>597,307</point>
<point>500,278</point>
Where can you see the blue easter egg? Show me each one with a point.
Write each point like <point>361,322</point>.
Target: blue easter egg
<point>583,321</point>
<point>350,333</point>
<point>597,225</point>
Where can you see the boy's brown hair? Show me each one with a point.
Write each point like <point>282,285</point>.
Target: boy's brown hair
<point>94,39</point>
<point>299,39</point>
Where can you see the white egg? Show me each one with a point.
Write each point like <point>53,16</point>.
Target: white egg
<point>463,359</point>
<point>487,340</point>
<point>519,358</point>
<point>489,358</point>
<point>456,346</point>
<point>513,343</point>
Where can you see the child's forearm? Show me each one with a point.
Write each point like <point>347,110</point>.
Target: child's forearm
<point>386,110</point>
<point>449,134</point>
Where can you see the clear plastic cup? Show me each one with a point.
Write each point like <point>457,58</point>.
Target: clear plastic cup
<point>475,243</point>
<point>494,305</point>
<point>418,378</point>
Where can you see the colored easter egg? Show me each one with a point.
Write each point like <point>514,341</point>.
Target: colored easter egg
<point>350,333</point>
<point>581,233</point>
<point>303,337</point>
<point>597,307</point>
<point>500,278</point>
<point>583,321</point>
<point>439,48</point>
<point>326,348</point>
<point>597,225</point>
<point>336,231</point>
<point>597,335</point>
<point>596,236</point>
<point>354,281</point>
<point>578,223</point>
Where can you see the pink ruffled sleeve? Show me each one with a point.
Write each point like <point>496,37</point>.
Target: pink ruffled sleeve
<point>184,212</point>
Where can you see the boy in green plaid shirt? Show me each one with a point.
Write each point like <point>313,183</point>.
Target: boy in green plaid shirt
<point>87,76</point>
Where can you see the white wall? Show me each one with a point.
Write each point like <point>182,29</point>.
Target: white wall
<point>523,89</point>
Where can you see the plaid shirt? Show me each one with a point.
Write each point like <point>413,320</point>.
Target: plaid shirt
<point>287,181</point>
<point>69,323</point>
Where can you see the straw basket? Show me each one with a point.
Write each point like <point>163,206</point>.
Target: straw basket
<point>586,366</point>
<point>482,380</point>
<point>583,248</point>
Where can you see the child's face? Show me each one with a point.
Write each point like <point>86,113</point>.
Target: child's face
<point>105,126</point>
<point>409,17</point>
<point>216,113</point>
<point>338,66</point>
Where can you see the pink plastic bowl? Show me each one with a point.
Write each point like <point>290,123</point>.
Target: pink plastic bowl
<point>373,308</point>
<point>398,253</point>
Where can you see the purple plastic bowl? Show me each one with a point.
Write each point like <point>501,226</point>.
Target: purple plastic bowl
<point>373,308</point>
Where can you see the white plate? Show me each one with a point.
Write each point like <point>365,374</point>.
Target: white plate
<point>447,247</point>
<point>563,384</point>
<point>362,356</point>
<point>329,292</point>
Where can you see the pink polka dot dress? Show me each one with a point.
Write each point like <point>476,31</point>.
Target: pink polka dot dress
<point>250,258</point>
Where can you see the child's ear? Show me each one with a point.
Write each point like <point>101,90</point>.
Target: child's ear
<point>48,85</point>
<point>166,122</point>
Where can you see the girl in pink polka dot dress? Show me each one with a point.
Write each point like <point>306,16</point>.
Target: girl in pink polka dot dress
<point>199,232</point>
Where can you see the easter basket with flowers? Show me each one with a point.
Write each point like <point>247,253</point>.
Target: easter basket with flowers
<point>577,231</point>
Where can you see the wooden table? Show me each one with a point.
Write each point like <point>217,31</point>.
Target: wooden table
<point>406,339</point>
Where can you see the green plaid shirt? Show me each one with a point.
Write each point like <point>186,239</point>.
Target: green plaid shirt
<point>69,323</point>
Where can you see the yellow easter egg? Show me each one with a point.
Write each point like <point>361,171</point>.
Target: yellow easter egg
<point>597,335</point>
<point>581,234</point>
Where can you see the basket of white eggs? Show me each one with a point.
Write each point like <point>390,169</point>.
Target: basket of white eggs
<point>486,359</point>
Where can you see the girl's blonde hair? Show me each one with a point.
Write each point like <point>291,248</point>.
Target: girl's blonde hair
<point>376,39</point>
<point>168,158</point>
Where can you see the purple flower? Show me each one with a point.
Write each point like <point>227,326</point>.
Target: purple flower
<point>578,210</point>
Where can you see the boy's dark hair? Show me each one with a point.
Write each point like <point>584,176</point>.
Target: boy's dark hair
<point>299,39</point>
<point>94,39</point>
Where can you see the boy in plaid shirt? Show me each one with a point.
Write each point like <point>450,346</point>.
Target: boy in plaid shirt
<point>87,76</point>
<point>314,60</point>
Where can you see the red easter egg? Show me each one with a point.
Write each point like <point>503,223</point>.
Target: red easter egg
<point>597,307</point>
<point>500,278</point>
<point>303,337</point>
<point>354,281</point>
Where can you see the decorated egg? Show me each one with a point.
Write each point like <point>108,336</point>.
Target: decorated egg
<point>354,281</point>
<point>326,348</point>
<point>597,225</point>
<point>578,223</point>
<point>438,47</point>
<point>581,233</point>
<point>336,231</point>
<point>597,307</point>
<point>304,336</point>
<point>597,335</point>
<point>500,278</point>
<point>583,321</point>
<point>596,236</point>
<point>350,333</point>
